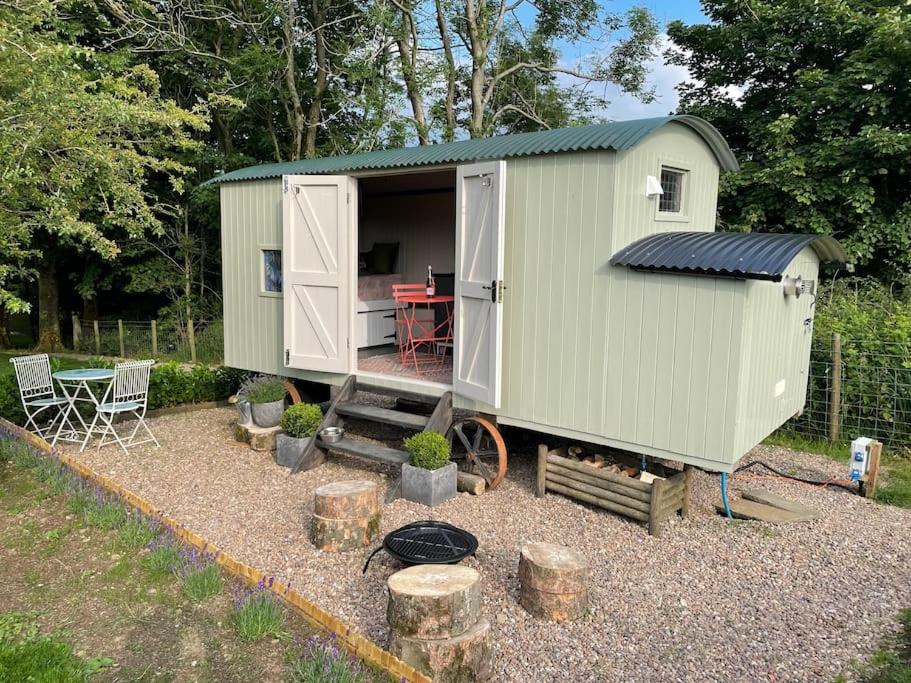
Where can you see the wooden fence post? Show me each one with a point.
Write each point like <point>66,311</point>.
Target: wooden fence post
<point>191,337</point>
<point>154,338</point>
<point>123,353</point>
<point>97,338</point>
<point>77,332</point>
<point>540,484</point>
<point>835,399</point>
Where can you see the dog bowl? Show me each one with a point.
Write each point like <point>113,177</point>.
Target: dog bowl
<point>331,434</point>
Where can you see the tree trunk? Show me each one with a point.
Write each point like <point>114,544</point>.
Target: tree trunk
<point>90,309</point>
<point>449,130</point>
<point>48,307</point>
<point>320,12</point>
<point>296,109</point>
<point>479,45</point>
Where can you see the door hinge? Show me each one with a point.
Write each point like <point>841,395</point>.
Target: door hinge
<point>285,184</point>
<point>500,289</point>
<point>287,356</point>
<point>348,195</point>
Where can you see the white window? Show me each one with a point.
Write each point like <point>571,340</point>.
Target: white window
<point>272,270</point>
<point>673,183</point>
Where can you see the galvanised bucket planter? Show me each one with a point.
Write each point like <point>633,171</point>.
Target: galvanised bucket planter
<point>268,414</point>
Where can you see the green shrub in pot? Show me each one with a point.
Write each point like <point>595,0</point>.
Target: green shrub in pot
<point>299,425</point>
<point>302,420</point>
<point>429,477</point>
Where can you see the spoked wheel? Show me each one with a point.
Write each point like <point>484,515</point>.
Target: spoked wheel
<point>477,444</point>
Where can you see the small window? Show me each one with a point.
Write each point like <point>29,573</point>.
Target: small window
<point>672,185</point>
<point>272,270</point>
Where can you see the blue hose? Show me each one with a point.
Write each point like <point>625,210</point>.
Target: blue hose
<point>724,494</point>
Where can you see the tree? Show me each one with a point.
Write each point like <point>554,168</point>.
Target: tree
<point>83,135</point>
<point>814,97</point>
<point>512,78</point>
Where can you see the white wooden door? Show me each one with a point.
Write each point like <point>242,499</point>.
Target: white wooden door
<point>316,272</point>
<point>480,229</point>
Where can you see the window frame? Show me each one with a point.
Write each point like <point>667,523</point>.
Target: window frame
<point>681,216</point>
<point>261,252</point>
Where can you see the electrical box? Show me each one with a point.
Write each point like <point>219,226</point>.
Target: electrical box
<point>860,457</point>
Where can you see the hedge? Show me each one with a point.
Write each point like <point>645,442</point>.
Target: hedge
<point>170,384</point>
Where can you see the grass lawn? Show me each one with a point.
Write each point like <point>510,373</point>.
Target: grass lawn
<point>894,485</point>
<point>90,592</point>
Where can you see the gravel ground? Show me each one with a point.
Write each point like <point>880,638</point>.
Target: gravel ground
<point>708,601</point>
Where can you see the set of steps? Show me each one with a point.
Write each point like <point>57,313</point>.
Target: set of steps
<point>346,405</point>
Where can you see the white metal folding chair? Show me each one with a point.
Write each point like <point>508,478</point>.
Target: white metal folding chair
<point>128,393</point>
<point>36,388</point>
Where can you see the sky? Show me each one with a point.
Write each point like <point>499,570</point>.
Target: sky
<point>663,77</point>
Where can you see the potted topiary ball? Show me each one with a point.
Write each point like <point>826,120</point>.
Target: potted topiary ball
<point>266,396</point>
<point>299,425</point>
<point>429,477</point>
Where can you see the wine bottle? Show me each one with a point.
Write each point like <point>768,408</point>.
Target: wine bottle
<point>431,283</point>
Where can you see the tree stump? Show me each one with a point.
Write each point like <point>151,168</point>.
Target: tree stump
<point>259,438</point>
<point>465,657</point>
<point>346,515</point>
<point>434,615</point>
<point>433,600</point>
<point>553,581</point>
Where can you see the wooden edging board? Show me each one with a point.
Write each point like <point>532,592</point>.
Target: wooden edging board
<point>350,639</point>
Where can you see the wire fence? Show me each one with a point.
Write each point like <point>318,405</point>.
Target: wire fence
<point>199,341</point>
<point>858,388</point>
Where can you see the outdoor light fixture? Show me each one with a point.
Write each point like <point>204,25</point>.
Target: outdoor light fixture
<point>653,187</point>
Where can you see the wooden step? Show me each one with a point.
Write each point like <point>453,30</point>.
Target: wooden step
<point>366,449</point>
<point>748,509</point>
<point>384,415</point>
<point>767,498</point>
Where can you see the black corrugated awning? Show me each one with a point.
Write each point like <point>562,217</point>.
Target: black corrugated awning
<point>751,255</point>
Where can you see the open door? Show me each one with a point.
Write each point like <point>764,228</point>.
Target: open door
<point>480,229</point>
<point>316,272</point>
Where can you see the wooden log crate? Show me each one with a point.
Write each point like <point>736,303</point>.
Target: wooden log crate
<point>650,503</point>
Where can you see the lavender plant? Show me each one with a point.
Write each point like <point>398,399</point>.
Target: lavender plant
<point>137,531</point>
<point>257,613</point>
<point>200,577</point>
<point>321,660</point>
<point>163,557</point>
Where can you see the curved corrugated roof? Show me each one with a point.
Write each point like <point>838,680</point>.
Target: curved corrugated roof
<point>751,255</point>
<point>618,135</point>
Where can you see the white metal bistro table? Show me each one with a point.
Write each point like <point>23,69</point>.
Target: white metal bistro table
<point>76,388</point>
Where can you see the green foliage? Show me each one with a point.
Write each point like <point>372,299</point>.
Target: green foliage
<point>10,404</point>
<point>814,98</point>
<point>263,389</point>
<point>302,420</point>
<point>104,513</point>
<point>323,661</point>
<point>257,614</point>
<point>163,558</point>
<point>27,656</point>
<point>201,581</point>
<point>137,531</point>
<point>83,137</point>
<point>429,450</point>
<point>875,326</point>
<point>892,662</point>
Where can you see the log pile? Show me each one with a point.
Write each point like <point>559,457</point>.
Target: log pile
<point>346,515</point>
<point>435,623</point>
<point>614,486</point>
<point>553,581</point>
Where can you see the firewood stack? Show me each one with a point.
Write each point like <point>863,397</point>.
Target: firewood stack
<point>435,623</point>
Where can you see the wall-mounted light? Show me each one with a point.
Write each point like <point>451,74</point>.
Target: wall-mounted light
<point>653,187</point>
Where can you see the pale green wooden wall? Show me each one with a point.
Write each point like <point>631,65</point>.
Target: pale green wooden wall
<point>648,362</point>
<point>776,348</point>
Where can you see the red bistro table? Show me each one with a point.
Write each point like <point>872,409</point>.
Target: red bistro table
<point>419,332</point>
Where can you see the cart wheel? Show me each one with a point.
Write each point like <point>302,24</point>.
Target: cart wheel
<point>478,443</point>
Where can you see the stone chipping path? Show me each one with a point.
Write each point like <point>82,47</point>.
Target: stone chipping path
<point>708,601</point>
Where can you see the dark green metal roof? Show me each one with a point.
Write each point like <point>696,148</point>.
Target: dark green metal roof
<point>746,255</point>
<point>618,135</point>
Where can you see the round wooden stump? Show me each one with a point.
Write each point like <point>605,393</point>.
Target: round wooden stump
<point>346,515</point>
<point>465,657</point>
<point>553,581</point>
<point>433,601</point>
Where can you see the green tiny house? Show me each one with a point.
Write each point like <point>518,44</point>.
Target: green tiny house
<point>692,349</point>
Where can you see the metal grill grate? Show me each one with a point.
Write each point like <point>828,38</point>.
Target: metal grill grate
<point>428,543</point>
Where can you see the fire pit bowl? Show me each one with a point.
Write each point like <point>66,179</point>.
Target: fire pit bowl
<point>427,542</point>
